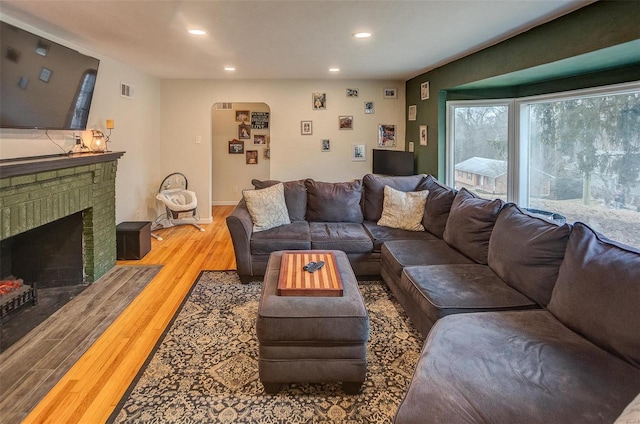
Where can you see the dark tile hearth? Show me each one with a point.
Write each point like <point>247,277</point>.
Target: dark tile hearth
<point>29,317</point>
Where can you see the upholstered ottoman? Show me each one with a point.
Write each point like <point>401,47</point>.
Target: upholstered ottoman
<point>304,339</point>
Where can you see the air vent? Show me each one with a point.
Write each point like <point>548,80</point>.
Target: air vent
<point>224,106</point>
<point>126,90</point>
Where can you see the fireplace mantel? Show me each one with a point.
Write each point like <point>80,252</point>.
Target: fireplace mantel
<point>32,165</point>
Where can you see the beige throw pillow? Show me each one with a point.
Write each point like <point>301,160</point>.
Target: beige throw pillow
<point>403,210</point>
<point>267,207</point>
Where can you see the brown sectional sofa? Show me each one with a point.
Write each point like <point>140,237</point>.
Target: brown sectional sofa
<point>526,320</point>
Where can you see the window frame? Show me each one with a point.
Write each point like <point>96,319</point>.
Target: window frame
<point>518,130</point>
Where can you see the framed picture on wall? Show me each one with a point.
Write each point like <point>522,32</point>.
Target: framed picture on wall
<point>345,122</point>
<point>319,101</point>
<point>326,145</point>
<point>306,127</point>
<point>423,135</point>
<point>368,108</point>
<point>260,139</point>
<point>358,152</point>
<point>386,135</point>
<point>242,115</point>
<point>236,146</point>
<point>352,92</point>
<point>252,157</point>
<point>424,90</point>
<point>244,131</point>
<point>390,93</point>
<point>413,111</point>
<point>267,153</point>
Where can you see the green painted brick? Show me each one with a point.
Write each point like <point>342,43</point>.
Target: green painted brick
<point>65,172</point>
<point>49,175</point>
<point>23,179</point>
<point>5,182</point>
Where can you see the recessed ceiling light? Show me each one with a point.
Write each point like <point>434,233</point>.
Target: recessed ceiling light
<point>229,68</point>
<point>362,34</point>
<point>334,69</point>
<point>197,32</point>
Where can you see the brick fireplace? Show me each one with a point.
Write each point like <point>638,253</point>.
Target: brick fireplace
<point>46,192</point>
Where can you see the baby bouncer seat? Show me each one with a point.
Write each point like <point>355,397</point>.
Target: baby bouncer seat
<point>180,203</point>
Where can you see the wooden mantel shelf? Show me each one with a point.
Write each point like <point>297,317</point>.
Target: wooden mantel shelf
<point>32,165</point>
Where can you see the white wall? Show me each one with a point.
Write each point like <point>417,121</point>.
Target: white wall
<point>187,110</point>
<point>136,132</point>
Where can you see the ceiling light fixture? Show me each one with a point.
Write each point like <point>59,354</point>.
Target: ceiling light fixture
<point>334,69</point>
<point>229,68</point>
<point>197,32</point>
<point>362,35</point>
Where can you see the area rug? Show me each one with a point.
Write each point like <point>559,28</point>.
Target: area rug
<point>205,367</point>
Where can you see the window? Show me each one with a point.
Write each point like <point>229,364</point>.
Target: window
<point>479,141</point>
<point>576,154</point>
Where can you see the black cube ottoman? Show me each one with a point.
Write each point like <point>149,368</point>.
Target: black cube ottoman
<point>133,240</point>
<point>306,339</point>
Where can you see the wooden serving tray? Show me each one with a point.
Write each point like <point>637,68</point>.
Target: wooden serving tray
<point>295,281</point>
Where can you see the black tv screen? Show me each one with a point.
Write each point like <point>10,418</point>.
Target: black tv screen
<point>392,162</point>
<point>43,84</point>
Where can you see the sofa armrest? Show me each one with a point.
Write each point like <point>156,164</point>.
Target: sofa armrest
<point>241,227</point>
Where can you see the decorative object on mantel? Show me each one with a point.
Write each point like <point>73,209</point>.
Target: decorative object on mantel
<point>98,143</point>
<point>110,126</point>
<point>79,147</point>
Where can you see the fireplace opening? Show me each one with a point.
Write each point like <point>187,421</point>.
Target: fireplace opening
<point>49,258</point>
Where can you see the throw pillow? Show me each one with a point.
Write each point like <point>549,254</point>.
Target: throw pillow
<point>295,196</point>
<point>470,224</point>
<point>438,206</point>
<point>334,202</point>
<point>267,207</point>
<point>374,191</point>
<point>403,210</point>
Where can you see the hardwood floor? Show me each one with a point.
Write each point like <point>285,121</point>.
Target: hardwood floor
<point>91,389</point>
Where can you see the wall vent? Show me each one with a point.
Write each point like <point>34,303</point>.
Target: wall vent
<point>224,106</point>
<point>126,90</point>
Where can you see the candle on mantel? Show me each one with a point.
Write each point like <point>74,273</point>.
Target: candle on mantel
<point>110,124</point>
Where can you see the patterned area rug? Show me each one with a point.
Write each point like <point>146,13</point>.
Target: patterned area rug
<point>205,368</point>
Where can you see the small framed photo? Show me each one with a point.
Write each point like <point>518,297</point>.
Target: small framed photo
<point>424,90</point>
<point>386,135</point>
<point>319,101</point>
<point>306,127</point>
<point>352,92</point>
<point>252,157</point>
<point>260,139</point>
<point>345,122</point>
<point>24,81</point>
<point>413,111</point>
<point>411,146</point>
<point>242,115</point>
<point>45,74</point>
<point>236,146</point>
<point>326,145</point>
<point>390,93</point>
<point>358,153</point>
<point>267,153</point>
<point>244,131</point>
<point>423,135</point>
<point>368,108</point>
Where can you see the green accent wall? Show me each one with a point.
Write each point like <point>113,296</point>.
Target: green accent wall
<point>596,45</point>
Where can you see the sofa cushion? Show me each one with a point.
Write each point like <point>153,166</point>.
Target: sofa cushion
<point>295,196</point>
<point>294,236</point>
<point>267,207</point>
<point>462,288</point>
<point>470,224</point>
<point>439,202</point>
<point>334,202</point>
<point>374,191</point>
<point>396,255</point>
<point>598,292</point>
<point>346,236</point>
<point>381,234</point>
<point>526,252</point>
<point>403,209</point>
<point>520,367</point>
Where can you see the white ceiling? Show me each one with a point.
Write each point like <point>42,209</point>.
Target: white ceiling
<point>293,39</point>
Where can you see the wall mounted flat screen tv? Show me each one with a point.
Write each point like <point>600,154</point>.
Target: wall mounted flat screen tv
<point>43,84</point>
<point>392,162</point>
